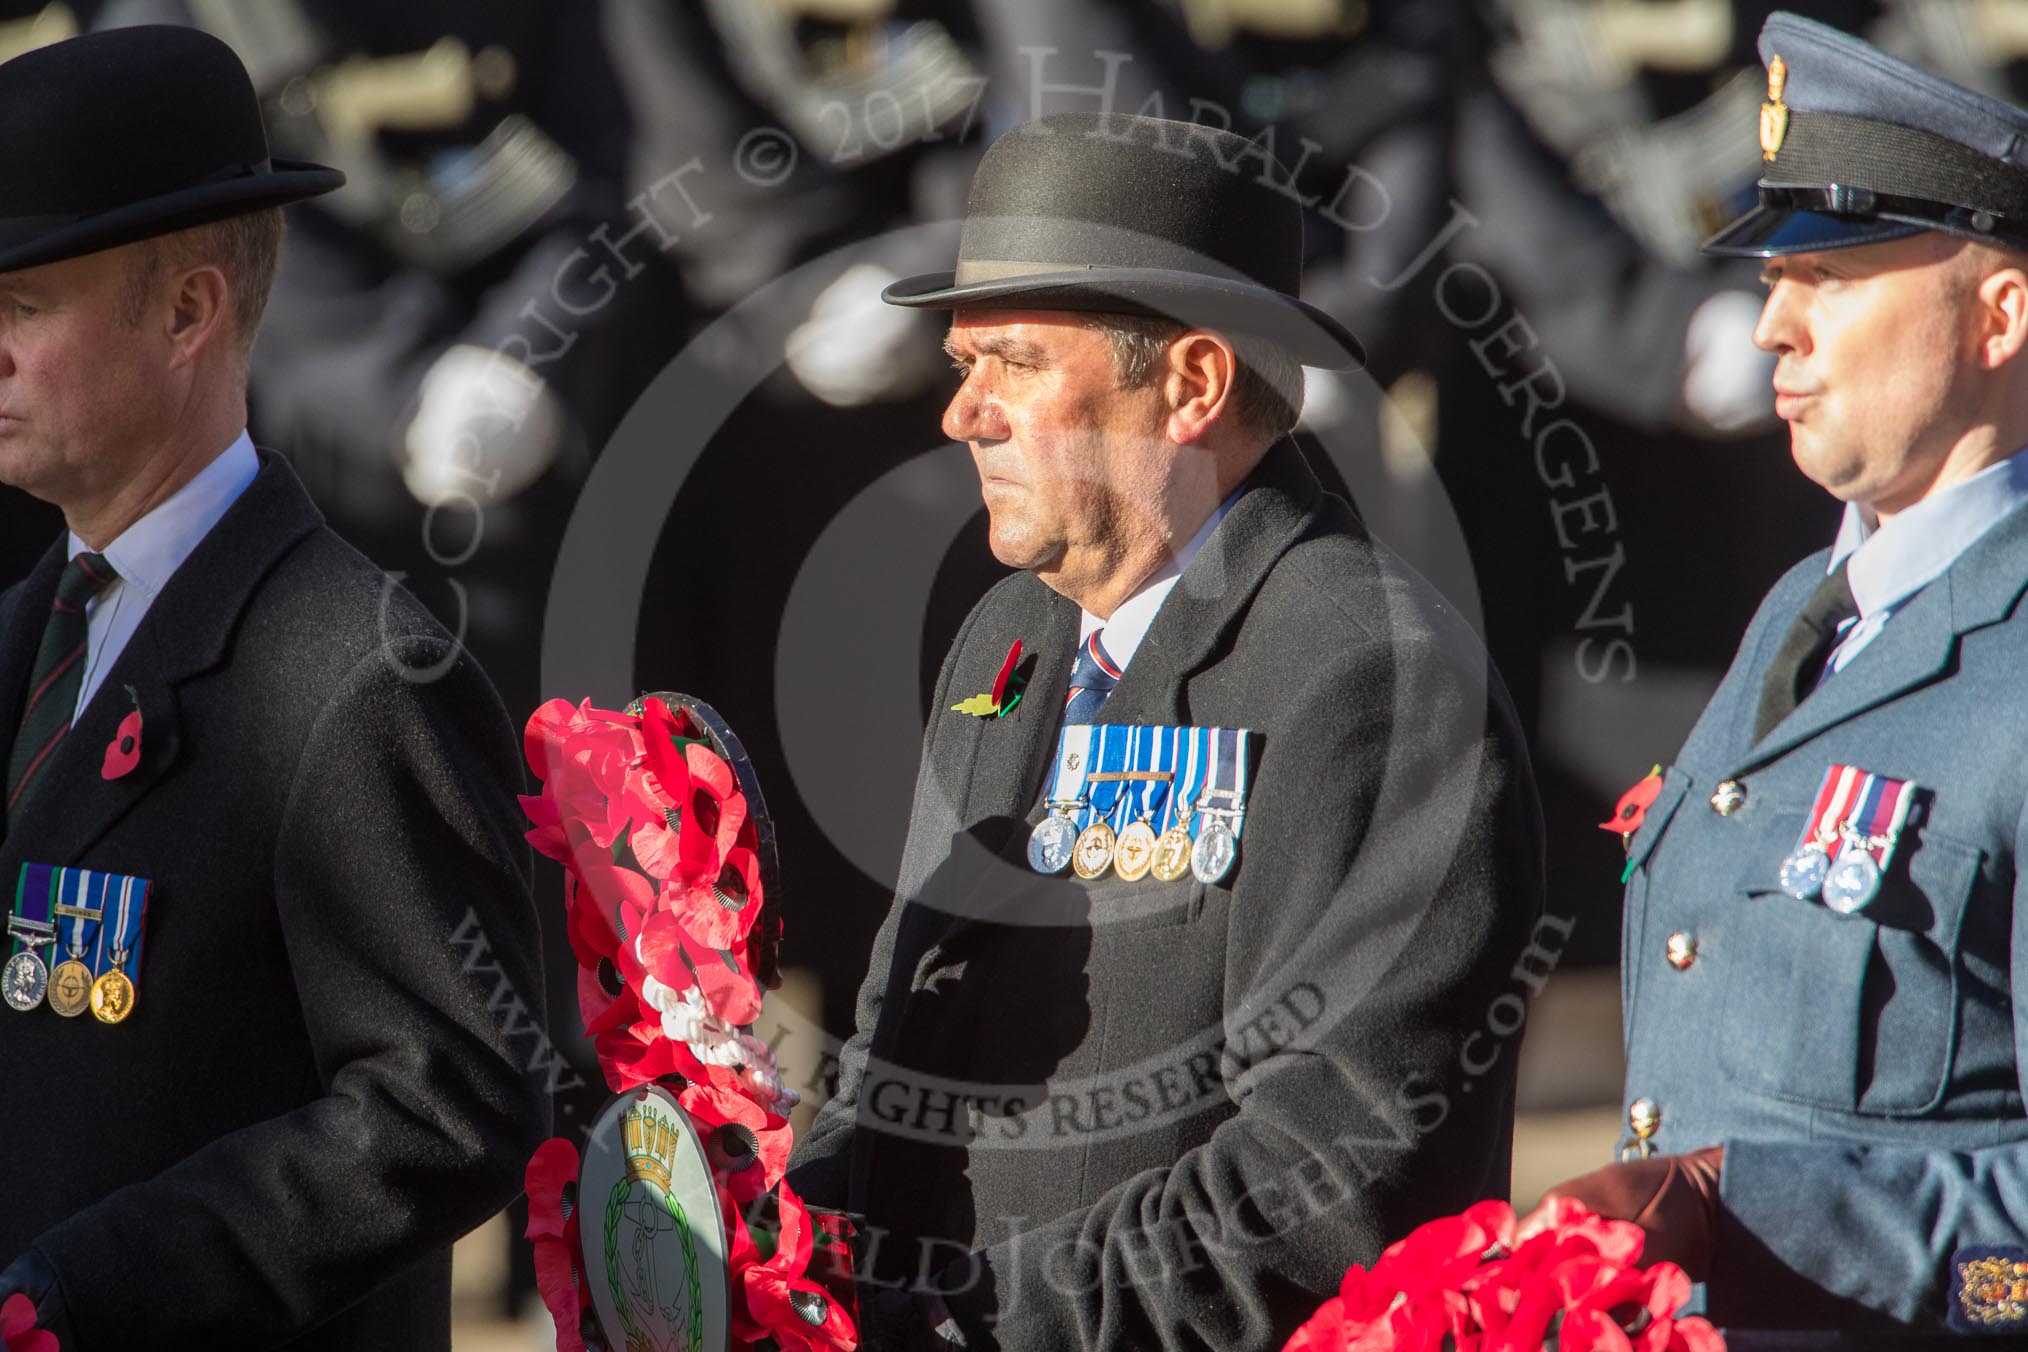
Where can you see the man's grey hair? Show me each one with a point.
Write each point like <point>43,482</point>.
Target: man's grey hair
<point>246,248</point>
<point>1267,394</point>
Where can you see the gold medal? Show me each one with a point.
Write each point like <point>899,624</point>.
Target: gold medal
<point>1134,852</point>
<point>70,988</point>
<point>1172,854</point>
<point>112,997</point>
<point>1094,851</point>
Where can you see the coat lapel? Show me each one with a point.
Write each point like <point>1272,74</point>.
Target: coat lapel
<point>1918,645</point>
<point>20,637</point>
<point>186,632</point>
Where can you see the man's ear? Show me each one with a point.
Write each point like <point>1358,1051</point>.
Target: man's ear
<point>2002,311</point>
<point>1198,386</point>
<point>200,314</point>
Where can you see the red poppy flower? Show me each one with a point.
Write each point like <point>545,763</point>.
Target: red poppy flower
<point>1007,666</point>
<point>1632,809</point>
<point>1462,1283</point>
<point>553,1229</point>
<point>775,1287</point>
<point>608,908</point>
<point>1441,1254</point>
<point>582,756</point>
<point>718,912</point>
<point>123,753</point>
<point>716,1099</point>
<point>679,962</point>
<point>709,812</point>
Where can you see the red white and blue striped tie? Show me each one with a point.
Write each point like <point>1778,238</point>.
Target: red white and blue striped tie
<point>1092,678</point>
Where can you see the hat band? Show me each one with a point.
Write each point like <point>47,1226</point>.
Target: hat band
<point>1826,149</point>
<point>17,230</point>
<point>974,270</point>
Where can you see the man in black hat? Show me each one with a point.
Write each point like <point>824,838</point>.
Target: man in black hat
<point>1825,960</point>
<point>1182,1005</point>
<point>258,840</point>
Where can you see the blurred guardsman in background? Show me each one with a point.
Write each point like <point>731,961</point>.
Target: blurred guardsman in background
<point>257,815</point>
<point>1163,1102</point>
<point>1825,953</point>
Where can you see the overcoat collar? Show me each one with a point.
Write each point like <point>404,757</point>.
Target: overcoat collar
<point>186,632</point>
<point>1918,645</point>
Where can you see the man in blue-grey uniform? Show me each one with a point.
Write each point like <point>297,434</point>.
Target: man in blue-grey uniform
<point>1825,979</point>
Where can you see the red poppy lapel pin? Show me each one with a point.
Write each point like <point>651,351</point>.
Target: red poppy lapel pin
<point>1005,694</point>
<point>1632,810</point>
<point>123,753</point>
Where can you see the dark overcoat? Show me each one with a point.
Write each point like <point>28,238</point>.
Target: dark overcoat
<point>332,1068</point>
<point>1166,1114</point>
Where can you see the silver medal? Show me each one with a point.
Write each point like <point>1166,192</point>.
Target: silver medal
<point>1802,873</point>
<point>1853,882</point>
<point>1211,858</point>
<point>1051,843</point>
<point>25,980</point>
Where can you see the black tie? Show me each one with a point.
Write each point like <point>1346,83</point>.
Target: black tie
<point>59,674</point>
<point>1800,659</point>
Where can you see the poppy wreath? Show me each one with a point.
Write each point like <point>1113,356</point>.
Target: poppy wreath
<point>1468,1283</point>
<point>663,895</point>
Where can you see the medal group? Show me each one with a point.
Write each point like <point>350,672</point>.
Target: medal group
<point>76,942</point>
<point>1136,800</point>
<point>1849,839</point>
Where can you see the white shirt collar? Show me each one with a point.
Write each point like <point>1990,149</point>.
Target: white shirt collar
<point>1890,563</point>
<point>1130,621</point>
<point>149,552</point>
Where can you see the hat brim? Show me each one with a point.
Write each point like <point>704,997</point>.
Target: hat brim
<point>1771,232</point>
<point>286,181</point>
<point>1307,333</point>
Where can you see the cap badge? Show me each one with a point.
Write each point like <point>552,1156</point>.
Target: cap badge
<point>1774,114</point>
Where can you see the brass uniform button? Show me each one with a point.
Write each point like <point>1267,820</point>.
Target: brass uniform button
<point>1730,798</point>
<point>1644,1119</point>
<point>1682,950</point>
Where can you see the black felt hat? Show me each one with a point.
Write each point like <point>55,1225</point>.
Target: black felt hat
<point>1858,147</point>
<point>129,133</point>
<point>1116,213</point>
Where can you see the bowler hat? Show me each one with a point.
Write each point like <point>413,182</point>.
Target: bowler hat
<point>1858,147</point>
<point>129,133</point>
<point>1142,215</point>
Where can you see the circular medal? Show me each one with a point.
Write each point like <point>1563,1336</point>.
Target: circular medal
<point>1802,873</point>
<point>1211,858</point>
<point>1051,844</point>
<point>1094,851</point>
<point>1135,852</point>
<point>112,997</point>
<point>1172,854</point>
<point>24,981</point>
<point>1854,882</point>
<point>70,988</point>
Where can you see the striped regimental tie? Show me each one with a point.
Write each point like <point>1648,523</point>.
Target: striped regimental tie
<point>1092,678</point>
<point>59,674</point>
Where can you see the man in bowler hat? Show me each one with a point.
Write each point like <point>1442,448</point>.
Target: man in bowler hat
<point>258,834</point>
<point>1825,965</point>
<point>1105,1109</point>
